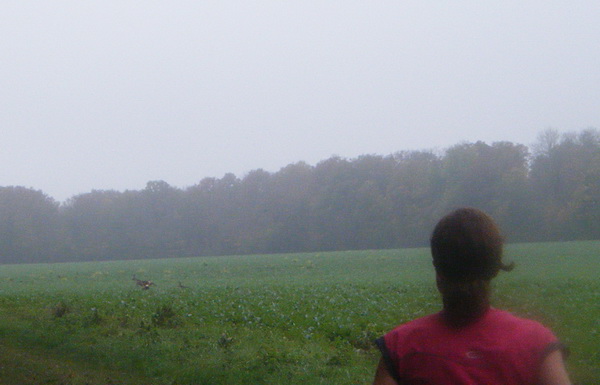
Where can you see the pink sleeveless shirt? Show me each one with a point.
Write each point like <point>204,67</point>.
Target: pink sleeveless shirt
<point>498,349</point>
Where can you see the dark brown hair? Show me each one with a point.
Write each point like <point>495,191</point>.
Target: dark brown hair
<point>466,245</point>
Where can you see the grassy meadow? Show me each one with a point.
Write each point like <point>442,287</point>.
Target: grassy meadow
<point>269,319</point>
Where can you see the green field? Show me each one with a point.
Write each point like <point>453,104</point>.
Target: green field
<point>275,319</point>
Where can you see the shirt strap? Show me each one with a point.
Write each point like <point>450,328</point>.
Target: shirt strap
<point>387,358</point>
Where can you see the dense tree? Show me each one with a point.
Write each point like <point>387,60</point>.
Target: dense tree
<point>291,209</point>
<point>371,201</point>
<point>490,177</point>
<point>95,223</point>
<point>30,226</point>
<point>414,197</point>
<point>564,178</point>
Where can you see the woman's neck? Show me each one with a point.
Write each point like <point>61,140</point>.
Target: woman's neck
<point>465,302</point>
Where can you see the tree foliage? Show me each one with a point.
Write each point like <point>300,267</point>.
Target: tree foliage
<point>373,201</point>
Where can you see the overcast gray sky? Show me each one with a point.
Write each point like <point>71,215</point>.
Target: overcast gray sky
<point>112,94</point>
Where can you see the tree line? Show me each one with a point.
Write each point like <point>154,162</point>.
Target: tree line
<point>550,191</point>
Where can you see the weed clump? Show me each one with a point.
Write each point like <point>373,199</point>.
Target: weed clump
<point>60,309</point>
<point>94,318</point>
<point>224,341</point>
<point>364,341</point>
<point>165,317</point>
<point>148,332</point>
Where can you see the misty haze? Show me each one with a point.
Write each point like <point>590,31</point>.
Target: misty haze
<point>228,192</point>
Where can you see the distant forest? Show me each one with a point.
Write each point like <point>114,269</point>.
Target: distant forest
<point>548,192</point>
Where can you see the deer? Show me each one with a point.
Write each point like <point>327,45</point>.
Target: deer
<point>144,284</point>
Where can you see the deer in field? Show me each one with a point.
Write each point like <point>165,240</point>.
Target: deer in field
<point>144,284</point>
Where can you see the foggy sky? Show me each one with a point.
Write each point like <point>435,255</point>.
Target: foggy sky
<point>113,94</point>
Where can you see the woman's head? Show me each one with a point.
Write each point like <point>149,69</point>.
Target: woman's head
<point>466,246</point>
